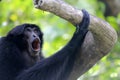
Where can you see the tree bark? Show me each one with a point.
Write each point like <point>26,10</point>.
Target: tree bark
<point>98,42</point>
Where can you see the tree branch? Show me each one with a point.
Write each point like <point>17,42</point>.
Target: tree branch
<point>98,42</point>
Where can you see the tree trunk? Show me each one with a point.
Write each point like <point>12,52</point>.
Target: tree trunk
<point>98,42</point>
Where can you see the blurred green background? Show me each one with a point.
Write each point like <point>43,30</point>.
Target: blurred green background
<point>56,34</point>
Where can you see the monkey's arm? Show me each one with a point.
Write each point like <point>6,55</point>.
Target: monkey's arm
<point>59,66</point>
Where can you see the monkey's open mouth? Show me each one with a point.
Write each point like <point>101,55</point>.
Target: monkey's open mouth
<point>36,44</point>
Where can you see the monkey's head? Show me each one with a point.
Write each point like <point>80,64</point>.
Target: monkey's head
<point>28,37</point>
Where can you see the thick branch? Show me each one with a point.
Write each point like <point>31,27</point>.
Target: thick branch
<point>98,42</point>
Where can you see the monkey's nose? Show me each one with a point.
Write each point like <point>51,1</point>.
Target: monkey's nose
<point>34,36</point>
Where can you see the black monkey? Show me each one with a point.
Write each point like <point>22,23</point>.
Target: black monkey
<point>57,67</point>
<point>19,50</point>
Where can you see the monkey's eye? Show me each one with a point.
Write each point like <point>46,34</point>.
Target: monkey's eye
<point>36,31</point>
<point>27,29</point>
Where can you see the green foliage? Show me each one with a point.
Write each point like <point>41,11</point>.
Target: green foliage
<point>57,31</point>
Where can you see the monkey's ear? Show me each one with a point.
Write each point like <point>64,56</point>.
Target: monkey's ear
<point>18,30</point>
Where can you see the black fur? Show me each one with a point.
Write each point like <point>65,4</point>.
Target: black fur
<point>12,61</point>
<point>56,67</point>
